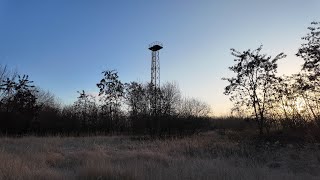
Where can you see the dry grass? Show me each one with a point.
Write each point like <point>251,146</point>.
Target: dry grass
<point>206,156</point>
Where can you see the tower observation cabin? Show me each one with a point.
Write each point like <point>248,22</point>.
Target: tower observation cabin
<point>156,46</point>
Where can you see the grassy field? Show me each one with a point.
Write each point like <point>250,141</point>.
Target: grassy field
<point>209,155</point>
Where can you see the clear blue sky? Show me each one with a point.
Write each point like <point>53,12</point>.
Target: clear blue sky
<point>65,44</point>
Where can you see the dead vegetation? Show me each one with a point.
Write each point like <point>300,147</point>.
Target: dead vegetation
<point>209,155</point>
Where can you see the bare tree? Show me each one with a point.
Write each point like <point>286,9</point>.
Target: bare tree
<point>46,99</point>
<point>86,110</point>
<point>136,98</point>
<point>5,75</point>
<point>191,107</point>
<point>170,98</point>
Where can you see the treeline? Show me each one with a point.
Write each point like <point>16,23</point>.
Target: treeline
<point>119,108</point>
<point>278,102</point>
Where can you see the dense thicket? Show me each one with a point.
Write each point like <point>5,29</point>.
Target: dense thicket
<point>119,108</point>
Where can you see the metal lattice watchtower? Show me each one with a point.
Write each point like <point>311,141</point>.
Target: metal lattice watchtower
<point>155,75</point>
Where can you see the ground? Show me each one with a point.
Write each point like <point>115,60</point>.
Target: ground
<point>210,155</point>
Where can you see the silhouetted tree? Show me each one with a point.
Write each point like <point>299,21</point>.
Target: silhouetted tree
<point>19,95</point>
<point>252,85</point>
<point>111,91</point>
<point>19,102</point>
<point>285,108</point>
<point>310,52</point>
<point>309,79</point>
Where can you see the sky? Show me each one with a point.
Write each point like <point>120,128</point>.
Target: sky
<point>64,45</point>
